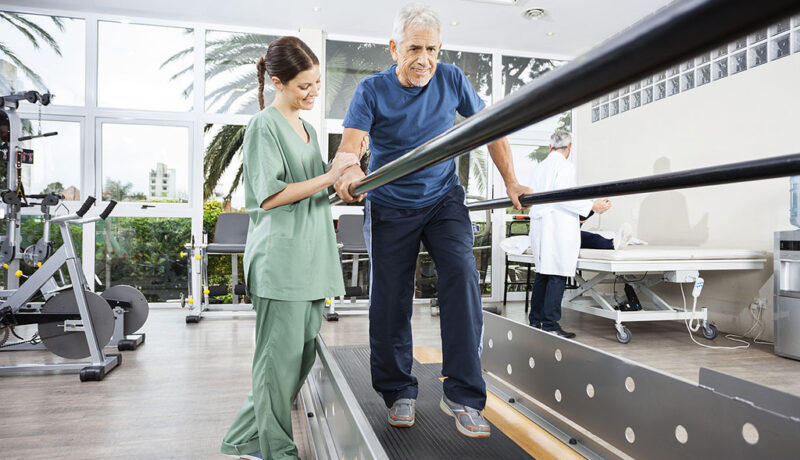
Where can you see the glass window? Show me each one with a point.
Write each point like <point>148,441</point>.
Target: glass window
<point>758,55</point>
<point>145,162</point>
<point>661,91</point>
<point>796,40</point>
<point>687,81</point>
<point>673,86</point>
<point>721,68</point>
<point>604,111</point>
<point>476,66</point>
<point>780,27</point>
<point>636,99</point>
<point>223,165</point>
<point>719,52</point>
<point>647,95</point>
<point>614,95</point>
<point>624,90</point>
<point>43,53</point>
<point>687,65</point>
<point>624,104</point>
<point>144,67</point>
<point>738,45</point>
<point>614,109</point>
<point>57,159</point>
<point>661,76</point>
<point>144,252</point>
<point>739,62</point>
<point>779,47</point>
<point>231,80</point>
<point>636,86</point>
<point>346,64</point>
<point>517,71</point>
<point>595,102</point>
<point>757,36</point>
<point>595,114</point>
<point>703,59</point>
<point>703,75</point>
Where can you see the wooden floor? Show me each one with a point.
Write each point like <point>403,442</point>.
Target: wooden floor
<point>175,396</point>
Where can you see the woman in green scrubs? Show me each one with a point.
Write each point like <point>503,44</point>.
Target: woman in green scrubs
<point>291,261</point>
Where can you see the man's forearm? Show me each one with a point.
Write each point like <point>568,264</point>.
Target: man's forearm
<point>500,151</point>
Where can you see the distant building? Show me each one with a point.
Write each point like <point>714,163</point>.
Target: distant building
<point>71,193</point>
<point>162,183</point>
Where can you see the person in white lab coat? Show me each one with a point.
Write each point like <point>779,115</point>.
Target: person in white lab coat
<point>555,234</point>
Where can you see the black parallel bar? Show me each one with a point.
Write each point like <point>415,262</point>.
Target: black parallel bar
<point>680,31</point>
<point>769,168</point>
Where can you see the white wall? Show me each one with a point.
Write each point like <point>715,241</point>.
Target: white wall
<point>754,114</point>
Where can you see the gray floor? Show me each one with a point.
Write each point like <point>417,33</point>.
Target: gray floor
<point>177,394</point>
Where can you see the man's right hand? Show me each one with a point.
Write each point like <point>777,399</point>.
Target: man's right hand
<point>342,186</point>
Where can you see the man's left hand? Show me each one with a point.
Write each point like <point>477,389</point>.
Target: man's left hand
<point>516,190</point>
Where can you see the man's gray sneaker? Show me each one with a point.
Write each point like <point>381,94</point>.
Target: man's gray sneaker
<point>469,421</point>
<point>401,414</point>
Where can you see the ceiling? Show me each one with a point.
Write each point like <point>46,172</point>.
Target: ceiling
<point>577,25</point>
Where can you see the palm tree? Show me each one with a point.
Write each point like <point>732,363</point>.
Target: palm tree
<point>34,33</point>
<point>236,53</point>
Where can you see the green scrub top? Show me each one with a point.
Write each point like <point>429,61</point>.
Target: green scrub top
<point>291,251</point>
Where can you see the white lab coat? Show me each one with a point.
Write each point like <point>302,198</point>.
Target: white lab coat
<point>555,228</point>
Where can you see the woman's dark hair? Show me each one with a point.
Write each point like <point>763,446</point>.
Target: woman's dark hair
<point>286,57</point>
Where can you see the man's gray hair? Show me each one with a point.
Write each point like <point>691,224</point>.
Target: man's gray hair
<point>560,139</point>
<point>417,14</point>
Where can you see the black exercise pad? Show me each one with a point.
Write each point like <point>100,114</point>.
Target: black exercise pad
<point>434,434</point>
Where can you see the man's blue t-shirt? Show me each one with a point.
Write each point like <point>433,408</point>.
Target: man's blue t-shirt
<point>400,118</point>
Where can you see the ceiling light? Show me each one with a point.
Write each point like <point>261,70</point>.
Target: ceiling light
<point>316,9</point>
<point>533,13</point>
<point>454,23</point>
<point>550,34</point>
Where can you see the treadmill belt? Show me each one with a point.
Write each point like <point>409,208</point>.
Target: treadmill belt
<point>434,434</point>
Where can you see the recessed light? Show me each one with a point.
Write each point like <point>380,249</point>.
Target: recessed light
<point>316,9</point>
<point>533,13</point>
<point>550,34</point>
<point>454,23</point>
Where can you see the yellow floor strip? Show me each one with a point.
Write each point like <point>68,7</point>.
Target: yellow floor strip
<point>534,439</point>
<point>427,355</point>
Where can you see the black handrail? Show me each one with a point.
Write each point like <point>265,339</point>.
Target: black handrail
<point>767,168</point>
<point>674,33</point>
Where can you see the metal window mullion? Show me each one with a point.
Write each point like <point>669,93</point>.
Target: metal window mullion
<point>90,162</point>
<point>497,216</point>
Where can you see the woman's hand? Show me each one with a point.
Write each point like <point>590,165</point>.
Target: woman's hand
<point>601,206</point>
<point>340,163</point>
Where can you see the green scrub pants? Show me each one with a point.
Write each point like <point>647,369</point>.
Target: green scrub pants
<point>285,352</point>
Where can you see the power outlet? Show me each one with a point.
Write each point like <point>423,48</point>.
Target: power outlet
<point>759,303</point>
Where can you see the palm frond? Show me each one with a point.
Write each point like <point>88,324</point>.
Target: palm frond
<point>35,77</point>
<point>237,181</point>
<point>59,22</point>
<point>219,155</point>
<point>30,29</point>
<point>177,56</point>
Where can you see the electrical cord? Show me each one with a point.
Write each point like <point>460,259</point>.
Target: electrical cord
<point>691,335</point>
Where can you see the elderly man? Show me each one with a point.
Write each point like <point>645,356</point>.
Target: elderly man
<point>555,234</point>
<point>400,109</point>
